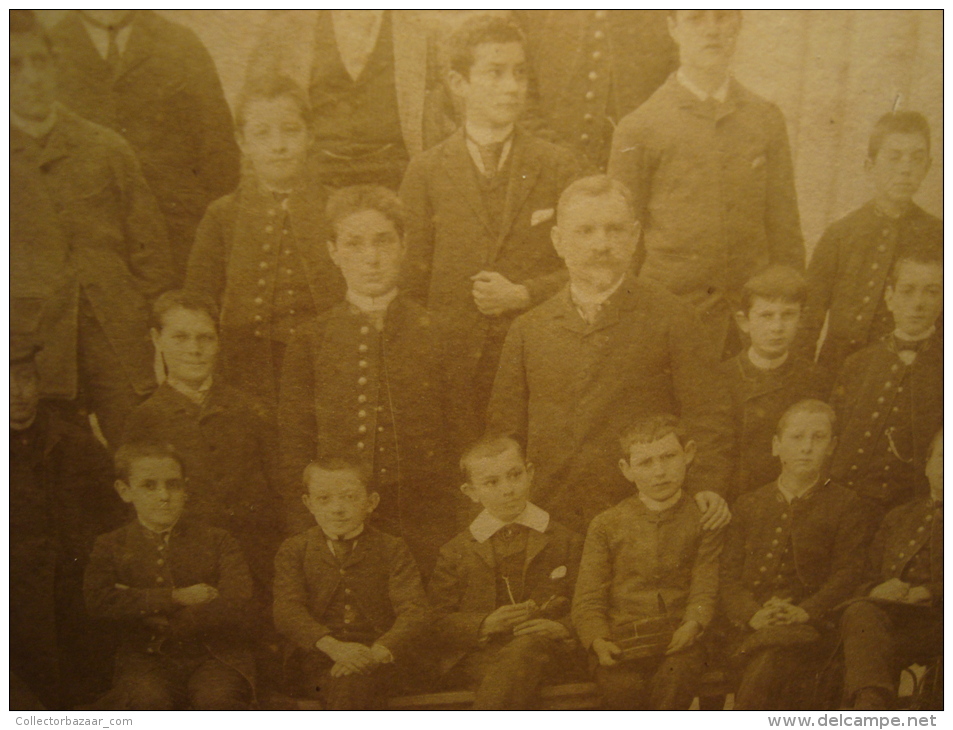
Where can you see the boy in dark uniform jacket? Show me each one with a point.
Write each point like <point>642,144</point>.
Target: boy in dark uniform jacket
<point>794,550</point>
<point>349,598</point>
<point>768,378</point>
<point>365,381</point>
<point>481,205</point>
<point>889,396</point>
<point>502,587</point>
<point>178,592</point>
<point>903,620</point>
<point>647,558</point>
<point>850,265</point>
<point>226,439</point>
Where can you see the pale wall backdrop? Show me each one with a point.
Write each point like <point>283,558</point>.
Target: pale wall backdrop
<point>832,72</point>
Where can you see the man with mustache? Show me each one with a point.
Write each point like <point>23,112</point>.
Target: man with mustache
<point>606,349</point>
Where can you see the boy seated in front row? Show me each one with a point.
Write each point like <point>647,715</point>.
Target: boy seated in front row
<point>768,378</point>
<point>648,568</point>
<point>793,551</point>
<point>347,596</point>
<point>902,622</point>
<point>179,592</point>
<point>889,396</point>
<point>502,588</point>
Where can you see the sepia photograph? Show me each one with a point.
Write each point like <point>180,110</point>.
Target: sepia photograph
<point>427,360</point>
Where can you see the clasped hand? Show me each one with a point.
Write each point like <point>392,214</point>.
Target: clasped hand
<point>516,619</point>
<point>778,612</point>
<point>494,294</point>
<point>350,657</point>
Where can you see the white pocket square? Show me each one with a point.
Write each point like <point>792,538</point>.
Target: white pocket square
<point>558,573</point>
<point>541,216</point>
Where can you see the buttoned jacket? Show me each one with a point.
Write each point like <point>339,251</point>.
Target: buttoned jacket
<point>713,188</point>
<point>638,564</point>
<point>828,532</point>
<point>463,585</point>
<point>130,578</point>
<point>759,399</point>
<point>848,274</point>
<point>104,236</point>
<point>570,388</point>
<point>379,576</point>
<point>167,102</point>
<point>875,389</point>
<point>904,532</point>
<point>235,260</point>
<point>450,238</point>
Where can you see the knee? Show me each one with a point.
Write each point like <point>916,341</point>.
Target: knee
<point>146,694</point>
<point>220,694</point>
<point>861,612</point>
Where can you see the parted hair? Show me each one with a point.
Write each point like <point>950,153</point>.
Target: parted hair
<point>336,463</point>
<point>357,198</point>
<point>775,282</point>
<point>488,445</point>
<point>189,300</point>
<point>128,454</point>
<point>810,405</point>
<point>924,252</point>
<point>271,87</point>
<point>482,28</point>
<point>593,186</point>
<point>651,429</point>
<point>901,122</point>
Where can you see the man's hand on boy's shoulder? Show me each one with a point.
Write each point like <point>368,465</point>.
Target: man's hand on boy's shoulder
<point>494,294</point>
<point>715,512</point>
<point>544,627</point>
<point>606,652</point>
<point>684,637</point>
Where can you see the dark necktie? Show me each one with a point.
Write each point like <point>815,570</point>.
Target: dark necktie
<point>490,155</point>
<point>342,549</point>
<point>510,532</point>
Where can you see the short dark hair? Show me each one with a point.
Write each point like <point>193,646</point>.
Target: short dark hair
<point>271,87</point>
<point>337,463</point>
<point>924,252</point>
<point>651,429</point>
<point>906,122</point>
<point>774,283</point>
<point>593,186</point>
<point>128,454</point>
<point>187,299</point>
<point>26,22</point>
<point>810,405</point>
<point>472,32</point>
<point>488,445</point>
<point>357,198</point>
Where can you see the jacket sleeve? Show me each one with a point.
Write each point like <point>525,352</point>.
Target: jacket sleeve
<point>292,618</point>
<point>508,408</point>
<point>230,611</point>
<point>208,259</point>
<point>634,163</point>
<point>846,562</point>
<point>419,231</point>
<point>703,592</point>
<point>457,629</point>
<point>590,603</point>
<point>409,600</point>
<point>106,599</point>
<point>782,221</point>
<point>737,601</point>
<point>822,275</point>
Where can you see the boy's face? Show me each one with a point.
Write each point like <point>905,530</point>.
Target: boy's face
<point>156,489</point>
<point>771,325</point>
<point>32,77</point>
<point>501,483</point>
<point>806,442</point>
<point>596,236</point>
<point>368,251</point>
<point>275,139</point>
<point>934,471</point>
<point>916,300</point>
<point>189,345</point>
<point>495,93</point>
<point>339,501</point>
<point>900,166</point>
<point>24,394</point>
<point>657,469</point>
<point>706,38</point>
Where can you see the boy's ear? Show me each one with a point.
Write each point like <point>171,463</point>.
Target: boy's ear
<point>625,468</point>
<point>306,499</point>
<point>557,238</point>
<point>741,319</point>
<point>458,84</point>
<point>530,470</point>
<point>670,22</point>
<point>154,334</point>
<point>832,447</point>
<point>468,490</point>
<point>690,449</point>
<point>373,499</point>
<point>775,445</point>
<point>333,251</point>
<point>123,490</point>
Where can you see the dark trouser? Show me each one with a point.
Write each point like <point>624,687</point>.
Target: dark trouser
<point>507,676</point>
<point>170,682</point>
<point>778,678</point>
<point>879,640</point>
<point>352,692</point>
<point>106,389</point>
<point>656,683</point>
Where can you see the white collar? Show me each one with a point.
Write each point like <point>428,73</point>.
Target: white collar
<point>583,299</point>
<point>720,94</point>
<point>655,506</point>
<point>486,525</point>
<point>347,536</point>
<point>197,395</point>
<point>764,363</point>
<point>99,35</point>
<point>371,305</point>
<point>907,338</point>
<point>32,128</point>
<point>788,495</point>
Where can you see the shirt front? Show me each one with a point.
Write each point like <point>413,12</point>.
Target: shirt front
<point>99,35</point>
<point>486,525</point>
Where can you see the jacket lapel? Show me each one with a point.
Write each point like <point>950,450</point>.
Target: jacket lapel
<point>82,52</point>
<point>485,551</point>
<point>139,48</point>
<point>461,176</point>
<point>535,542</point>
<point>524,170</point>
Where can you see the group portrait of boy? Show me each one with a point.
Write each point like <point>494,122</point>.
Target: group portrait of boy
<point>465,364</point>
